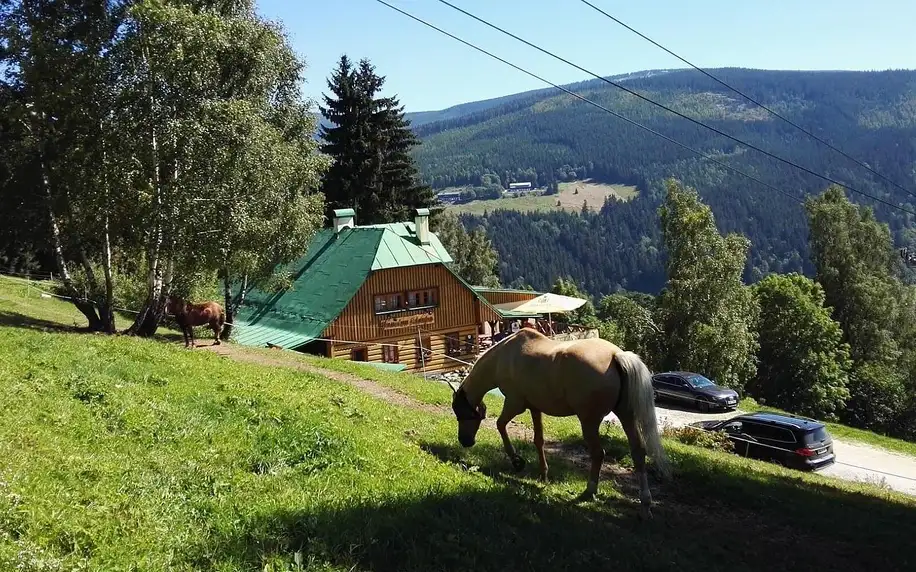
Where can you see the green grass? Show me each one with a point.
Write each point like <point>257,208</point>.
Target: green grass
<point>439,394</point>
<point>119,453</point>
<point>592,192</point>
<point>845,432</point>
<point>24,303</point>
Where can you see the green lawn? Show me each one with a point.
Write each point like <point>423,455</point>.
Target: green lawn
<point>119,453</point>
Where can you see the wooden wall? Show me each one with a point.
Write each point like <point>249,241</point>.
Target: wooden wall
<point>458,312</point>
<point>435,359</point>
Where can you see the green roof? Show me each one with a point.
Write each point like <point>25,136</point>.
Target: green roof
<point>400,247</point>
<point>326,278</point>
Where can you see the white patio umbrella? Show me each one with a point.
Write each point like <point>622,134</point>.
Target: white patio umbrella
<point>544,304</point>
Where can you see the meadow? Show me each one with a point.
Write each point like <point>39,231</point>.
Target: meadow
<point>567,200</point>
<point>119,453</point>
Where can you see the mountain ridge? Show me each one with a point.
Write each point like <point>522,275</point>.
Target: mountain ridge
<point>544,134</point>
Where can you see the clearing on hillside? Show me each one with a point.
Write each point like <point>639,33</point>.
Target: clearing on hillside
<point>119,453</point>
<point>571,197</point>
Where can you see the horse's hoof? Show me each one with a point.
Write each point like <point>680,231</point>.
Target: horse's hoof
<point>586,496</point>
<point>518,463</point>
<point>542,478</point>
<point>645,513</point>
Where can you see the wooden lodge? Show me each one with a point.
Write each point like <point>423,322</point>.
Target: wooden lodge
<point>383,294</point>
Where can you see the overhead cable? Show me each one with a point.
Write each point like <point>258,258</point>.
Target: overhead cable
<point>674,111</point>
<point>749,98</point>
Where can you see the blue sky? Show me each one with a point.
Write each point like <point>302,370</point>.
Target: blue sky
<point>428,70</point>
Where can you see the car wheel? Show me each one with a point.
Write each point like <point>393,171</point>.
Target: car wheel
<point>703,405</point>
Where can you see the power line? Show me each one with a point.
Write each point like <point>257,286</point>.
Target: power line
<point>675,112</point>
<point>749,98</point>
<point>598,105</point>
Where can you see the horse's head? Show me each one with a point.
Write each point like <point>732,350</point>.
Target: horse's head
<point>469,417</point>
<point>174,305</point>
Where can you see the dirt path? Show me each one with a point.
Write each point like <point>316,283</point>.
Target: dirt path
<point>575,455</point>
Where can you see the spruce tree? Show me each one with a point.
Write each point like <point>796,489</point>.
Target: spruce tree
<point>345,141</point>
<point>370,141</point>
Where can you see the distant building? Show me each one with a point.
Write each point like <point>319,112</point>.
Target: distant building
<point>520,186</point>
<point>449,197</point>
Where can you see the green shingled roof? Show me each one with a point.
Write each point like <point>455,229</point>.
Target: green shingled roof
<point>326,278</point>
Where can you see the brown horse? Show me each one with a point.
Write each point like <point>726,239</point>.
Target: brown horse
<point>587,378</point>
<point>189,315</point>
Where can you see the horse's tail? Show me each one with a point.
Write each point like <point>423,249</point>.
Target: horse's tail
<point>641,403</point>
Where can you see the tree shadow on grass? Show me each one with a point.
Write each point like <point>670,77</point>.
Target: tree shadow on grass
<point>16,320</point>
<point>710,517</point>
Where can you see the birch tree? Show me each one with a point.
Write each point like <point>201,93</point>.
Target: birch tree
<point>167,140</point>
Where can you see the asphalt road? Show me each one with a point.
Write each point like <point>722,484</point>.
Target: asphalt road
<point>854,461</point>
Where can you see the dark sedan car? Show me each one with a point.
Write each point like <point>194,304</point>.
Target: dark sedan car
<point>789,440</point>
<point>695,389</point>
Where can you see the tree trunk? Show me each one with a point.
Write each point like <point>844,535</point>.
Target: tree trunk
<point>106,312</point>
<point>148,319</point>
<point>227,304</point>
<point>84,306</point>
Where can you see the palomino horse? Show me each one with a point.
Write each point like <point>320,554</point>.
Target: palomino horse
<point>189,315</point>
<point>587,378</point>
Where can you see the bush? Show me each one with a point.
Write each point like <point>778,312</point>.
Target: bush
<point>688,435</point>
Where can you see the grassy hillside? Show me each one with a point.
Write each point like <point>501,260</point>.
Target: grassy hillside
<point>570,199</point>
<point>125,454</point>
<point>870,115</point>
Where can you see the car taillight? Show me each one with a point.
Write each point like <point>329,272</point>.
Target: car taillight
<point>804,452</point>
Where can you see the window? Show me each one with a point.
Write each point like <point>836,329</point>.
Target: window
<point>389,303</point>
<point>426,352</point>
<point>423,298</point>
<point>816,436</point>
<point>733,427</point>
<point>403,301</point>
<point>453,344</point>
<point>359,354</point>
<point>468,344</point>
<point>390,353</point>
<point>769,432</point>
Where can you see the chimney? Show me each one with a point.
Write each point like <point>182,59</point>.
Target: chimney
<point>344,218</point>
<point>422,223</point>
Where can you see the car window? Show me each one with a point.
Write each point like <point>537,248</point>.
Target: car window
<point>816,436</point>
<point>733,427</point>
<point>769,432</point>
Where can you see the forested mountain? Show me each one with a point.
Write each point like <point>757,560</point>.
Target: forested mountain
<point>870,115</point>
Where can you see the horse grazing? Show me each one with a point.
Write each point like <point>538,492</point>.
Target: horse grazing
<point>587,378</point>
<point>189,315</point>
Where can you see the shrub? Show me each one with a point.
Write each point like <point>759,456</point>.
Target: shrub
<point>688,435</point>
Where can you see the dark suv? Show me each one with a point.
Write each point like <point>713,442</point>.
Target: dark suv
<point>796,442</point>
<point>695,389</point>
